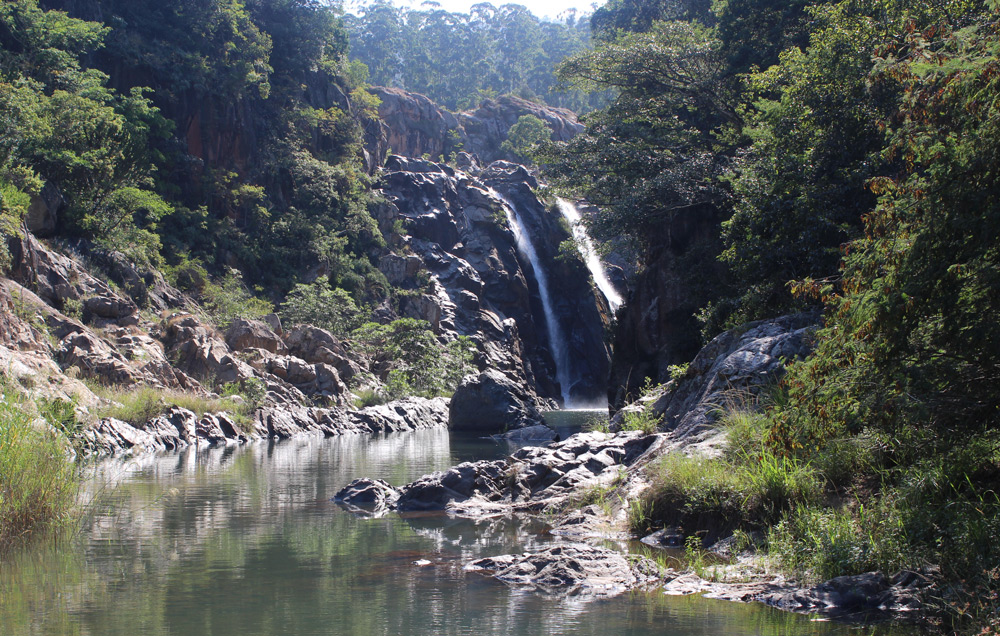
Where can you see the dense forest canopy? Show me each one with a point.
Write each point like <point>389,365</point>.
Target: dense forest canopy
<point>457,59</point>
<point>217,132</point>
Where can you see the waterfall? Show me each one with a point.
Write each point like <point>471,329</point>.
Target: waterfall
<point>589,253</point>
<point>557,339</point>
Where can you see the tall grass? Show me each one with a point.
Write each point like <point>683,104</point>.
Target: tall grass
<point>749,486</point>
<point>38,480</point>
<point>138,405</point>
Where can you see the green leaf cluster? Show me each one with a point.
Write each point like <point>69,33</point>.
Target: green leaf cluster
<point>410,359</point>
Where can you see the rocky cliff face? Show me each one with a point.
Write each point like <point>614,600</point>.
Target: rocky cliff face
<point>412,125</point>
<point>475,283</point>
<point>656,328</point>
<point>63,330</point>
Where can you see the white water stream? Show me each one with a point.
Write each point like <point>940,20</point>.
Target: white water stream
<point>556,337</point>
<point>589,253</point>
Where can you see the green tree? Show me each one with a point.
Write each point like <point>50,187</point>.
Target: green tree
<point>62,123</point>
<point>798,191</point>
<point>408,357</point>
<point>524,135</point>
<point>318,305</point>
<point>651,157</point>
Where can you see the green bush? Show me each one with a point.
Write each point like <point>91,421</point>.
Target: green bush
<point>369,397</point>
<point>318,305</point>
<point>228,299</point>
<point>409,358</point>
<point>643,420</point>
<point>526,133</point>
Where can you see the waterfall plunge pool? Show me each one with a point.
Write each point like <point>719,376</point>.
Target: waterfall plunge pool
<point>245,540</point>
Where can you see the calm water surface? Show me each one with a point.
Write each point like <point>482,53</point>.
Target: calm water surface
<point>246,541</point>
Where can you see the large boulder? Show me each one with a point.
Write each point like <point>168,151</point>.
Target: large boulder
<point>491,403</point>
<point>246,334</point>
<point>483,479</point>
<point>313,344</point>
<point>368,497</point>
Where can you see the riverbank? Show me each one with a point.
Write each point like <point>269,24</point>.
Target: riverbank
<point>245,539</point>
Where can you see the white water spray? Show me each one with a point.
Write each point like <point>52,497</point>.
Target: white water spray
<point>589,253</point>
<point>556,338</point>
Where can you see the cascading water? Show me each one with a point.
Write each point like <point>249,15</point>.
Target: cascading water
<point>589,253</point>
<point>556,337</point>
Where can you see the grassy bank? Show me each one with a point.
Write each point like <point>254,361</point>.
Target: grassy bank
<point>38,479</point>
<point>847,507</point>
<point>139,404</point>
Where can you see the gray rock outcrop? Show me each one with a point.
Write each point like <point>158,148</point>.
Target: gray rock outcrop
<point>414,126</point>
<point>529,479</point>
<point>570,569</point>
<point>729,371</point>
<point>462,261</point>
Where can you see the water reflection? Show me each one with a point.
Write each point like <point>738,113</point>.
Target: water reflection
<point>246,541</point>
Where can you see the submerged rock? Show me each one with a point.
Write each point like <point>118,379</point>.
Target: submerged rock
<point>530,434</point>
<point>666,538</point>
<point>871,594</point>
<point>572,569</point>
<point>368,497</point>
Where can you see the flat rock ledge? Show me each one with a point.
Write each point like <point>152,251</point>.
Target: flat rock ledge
<point>180,428</point>
<point>571,570</point>
<point>861,596</point>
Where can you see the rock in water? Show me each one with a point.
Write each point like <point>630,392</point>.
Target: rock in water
<point>491,403</point>
<point>367,496</point>
<point>572,569</point>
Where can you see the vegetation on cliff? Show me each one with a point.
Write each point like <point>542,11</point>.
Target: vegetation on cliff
<point>227,133</point>
<point>854,171</point>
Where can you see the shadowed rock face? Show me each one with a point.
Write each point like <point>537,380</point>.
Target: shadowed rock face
<point>732,369</point>
<point>490,403</point>
<point>477,283</point>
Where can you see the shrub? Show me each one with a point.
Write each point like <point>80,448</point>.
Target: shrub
<point>411,361</point>
<point>643,420</point>
<point>38,481</point>
<point>228,299</point>
<point>320,306</point>
<point>369,397</point>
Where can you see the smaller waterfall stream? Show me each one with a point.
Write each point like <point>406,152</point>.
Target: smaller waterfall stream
<point>556,337</point>
<point>589,254</point>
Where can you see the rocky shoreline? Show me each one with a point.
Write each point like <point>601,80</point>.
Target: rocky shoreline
<point>558,483</point>
<point>553,482</point>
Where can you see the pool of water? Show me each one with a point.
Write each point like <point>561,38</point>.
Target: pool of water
<point>245,540</point>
